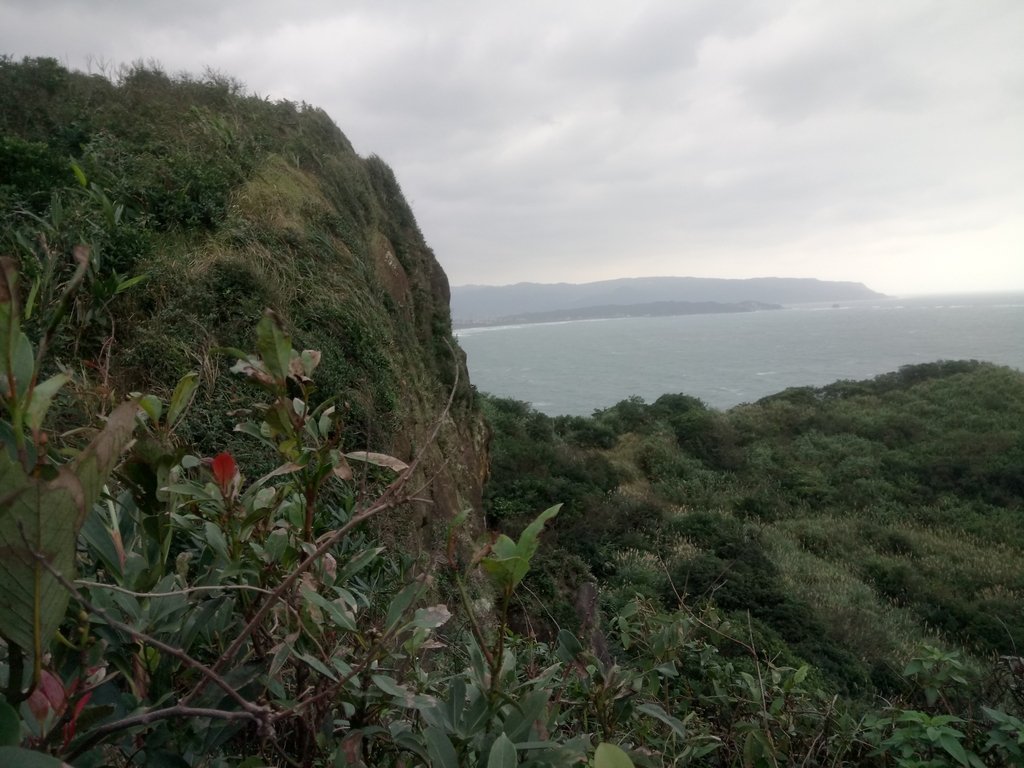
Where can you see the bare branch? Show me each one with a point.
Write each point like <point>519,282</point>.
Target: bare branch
<point>98,733</point>
<point>173,592</point>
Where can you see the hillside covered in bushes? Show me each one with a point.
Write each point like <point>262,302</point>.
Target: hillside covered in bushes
<point>845,527</point>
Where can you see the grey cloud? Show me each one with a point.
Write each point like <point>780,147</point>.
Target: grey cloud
<point>580,140</point>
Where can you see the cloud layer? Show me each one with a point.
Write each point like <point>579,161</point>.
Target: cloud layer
<point>579,141</point>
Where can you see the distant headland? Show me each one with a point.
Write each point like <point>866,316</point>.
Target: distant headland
<point>608,311</point>
<point>477,305</point>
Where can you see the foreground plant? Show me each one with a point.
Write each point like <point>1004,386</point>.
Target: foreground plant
<point>250,606</point>
<point>44,502</point>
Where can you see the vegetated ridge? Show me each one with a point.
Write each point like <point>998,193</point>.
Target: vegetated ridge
<point>652,309</point>
<point>487,303</point>
<point>201,207</point>
<point>241,508</point>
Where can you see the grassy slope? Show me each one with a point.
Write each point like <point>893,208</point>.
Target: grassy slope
<point>853,522</point>
<point>228,204</point>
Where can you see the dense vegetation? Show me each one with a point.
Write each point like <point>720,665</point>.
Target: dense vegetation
<point>853,521</point>
<point>257,561</point>
<point>846,527</point>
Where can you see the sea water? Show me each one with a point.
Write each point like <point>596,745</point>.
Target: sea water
<point>725,359</point>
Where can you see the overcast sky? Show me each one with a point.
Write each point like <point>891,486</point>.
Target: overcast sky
<point>869,140</point>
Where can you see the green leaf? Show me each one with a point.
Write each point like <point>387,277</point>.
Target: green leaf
<point>439,748</point>
<point>79,174</point>
<point>274,346</point>
<point>504,565</point>
<point>400,604</point>
<point>94,465</point>
<point>10,726</point>
<point>30,302</point>
<point>22,363</point>
<point>527,711</point>
<point>477,664</point>
<point>248,428</point>
<point>668,669</point>
<point>656,711</point>
<point>509,561</point>
<point>504,548</point>
<point>753,748</point>
<point>9,328</point>
<point>26,758</point>
<point>124,285</point>
<point>282,652</point>
<point>42,396</point>
<point>914,667</point>
<point>318,665</point>
<point>954,748</point>
<point>528,539</point>
<point>610,756</point>
<point>477,712</point>
<point>343,667</point>
<point>182,397</point>
<point>188,461</point>
<point>357,563</point>
<point>215,538</point>
<point>309,359</point>
<point>337,615</point>
<point>568,646</point>
<point>391,687</point>
<point>152,406</point>
<point>40,520</point>
<point>503,753</point>
<point>456,702</point>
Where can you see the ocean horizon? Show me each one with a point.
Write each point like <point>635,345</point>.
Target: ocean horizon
<point>574,367</point>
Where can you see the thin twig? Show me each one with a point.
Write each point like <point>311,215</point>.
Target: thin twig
<point>473,625</point>
<point>535,596</point>
<point>748,648</point>
<point>371,656</point>
<point>155,715</point>
<point>820,736</point>
<point>172,593</point>
<point>764,698</point>
<point>254,711</point>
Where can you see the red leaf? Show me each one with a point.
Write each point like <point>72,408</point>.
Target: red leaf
<point>48,696</point>
<point>72,724</point>
<point>224,471</point>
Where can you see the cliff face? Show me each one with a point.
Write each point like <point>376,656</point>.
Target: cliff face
<point>226,204</point>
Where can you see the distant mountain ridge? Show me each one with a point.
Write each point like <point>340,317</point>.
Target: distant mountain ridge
<point>606,311</point>
<point>477,304</point>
